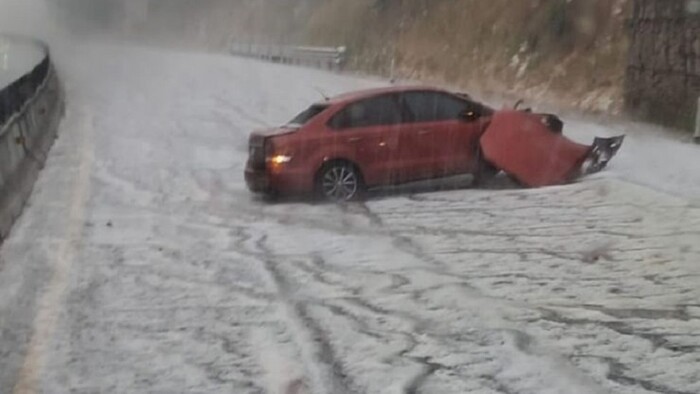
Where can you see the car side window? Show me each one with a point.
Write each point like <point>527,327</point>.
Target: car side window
<point>451,108</point>
<point>422,106</point>
<point>376,111</point>
<point>434,107</point>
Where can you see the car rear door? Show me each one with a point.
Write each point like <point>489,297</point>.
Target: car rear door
<point>367,133</point>
<point>435,140</point>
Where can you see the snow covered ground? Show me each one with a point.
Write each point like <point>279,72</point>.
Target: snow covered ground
<point>143,265</point>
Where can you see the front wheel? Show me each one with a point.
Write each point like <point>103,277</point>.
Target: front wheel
<point>339,181</point>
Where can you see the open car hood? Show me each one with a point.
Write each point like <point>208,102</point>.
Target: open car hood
<point>522,145</point>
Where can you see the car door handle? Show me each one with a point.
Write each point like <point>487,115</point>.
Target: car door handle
<point>354,139</point>
<point>423,132</point>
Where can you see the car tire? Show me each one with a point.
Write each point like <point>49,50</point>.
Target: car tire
<point>339,181</point>
<point>484,171</point>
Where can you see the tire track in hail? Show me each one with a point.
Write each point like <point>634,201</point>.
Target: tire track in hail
<point>327,375</point>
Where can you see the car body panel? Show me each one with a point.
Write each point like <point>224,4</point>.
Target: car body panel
<point>461,143</point>
<point>440,148</point>
<point>523,146</point>
<point>417,151</point>
<point>372,149</point>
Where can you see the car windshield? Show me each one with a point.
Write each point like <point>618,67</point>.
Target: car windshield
<point>307,115</point>
<point>350,196</point>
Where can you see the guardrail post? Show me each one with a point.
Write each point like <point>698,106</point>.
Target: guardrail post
<point>696,137</point>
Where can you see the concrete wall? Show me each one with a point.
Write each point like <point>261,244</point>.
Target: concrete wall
<point>26,136</point>
<point>663,73</point>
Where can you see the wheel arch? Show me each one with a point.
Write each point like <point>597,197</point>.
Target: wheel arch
<point>330,161</point>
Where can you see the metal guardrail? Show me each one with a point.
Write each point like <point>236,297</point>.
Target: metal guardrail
<point>329,58</point>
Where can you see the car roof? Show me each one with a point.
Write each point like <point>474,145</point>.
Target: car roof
<point>350,97</point>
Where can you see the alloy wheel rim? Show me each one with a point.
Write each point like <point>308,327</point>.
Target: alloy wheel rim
<point>340,183</point>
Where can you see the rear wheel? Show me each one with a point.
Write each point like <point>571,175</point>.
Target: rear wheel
<point>339,181</point>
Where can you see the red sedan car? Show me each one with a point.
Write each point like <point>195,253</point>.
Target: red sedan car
<point>340,147</point>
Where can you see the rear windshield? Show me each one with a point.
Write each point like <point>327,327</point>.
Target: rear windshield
<point>308,114</point>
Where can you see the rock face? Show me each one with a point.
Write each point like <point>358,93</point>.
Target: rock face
<point>571,52</point>
<point>663,75</point>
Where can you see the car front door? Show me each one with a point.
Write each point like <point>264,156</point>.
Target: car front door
<point>436,139</point>
<point>367,133</point>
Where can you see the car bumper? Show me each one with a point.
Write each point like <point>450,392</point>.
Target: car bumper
<point>278,182</point>
<point>257,181</point>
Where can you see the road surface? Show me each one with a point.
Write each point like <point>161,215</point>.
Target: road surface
<point>143,265</point>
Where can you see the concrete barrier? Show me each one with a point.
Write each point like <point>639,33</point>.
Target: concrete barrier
<point>31,109</point>
<point>330,58</point>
